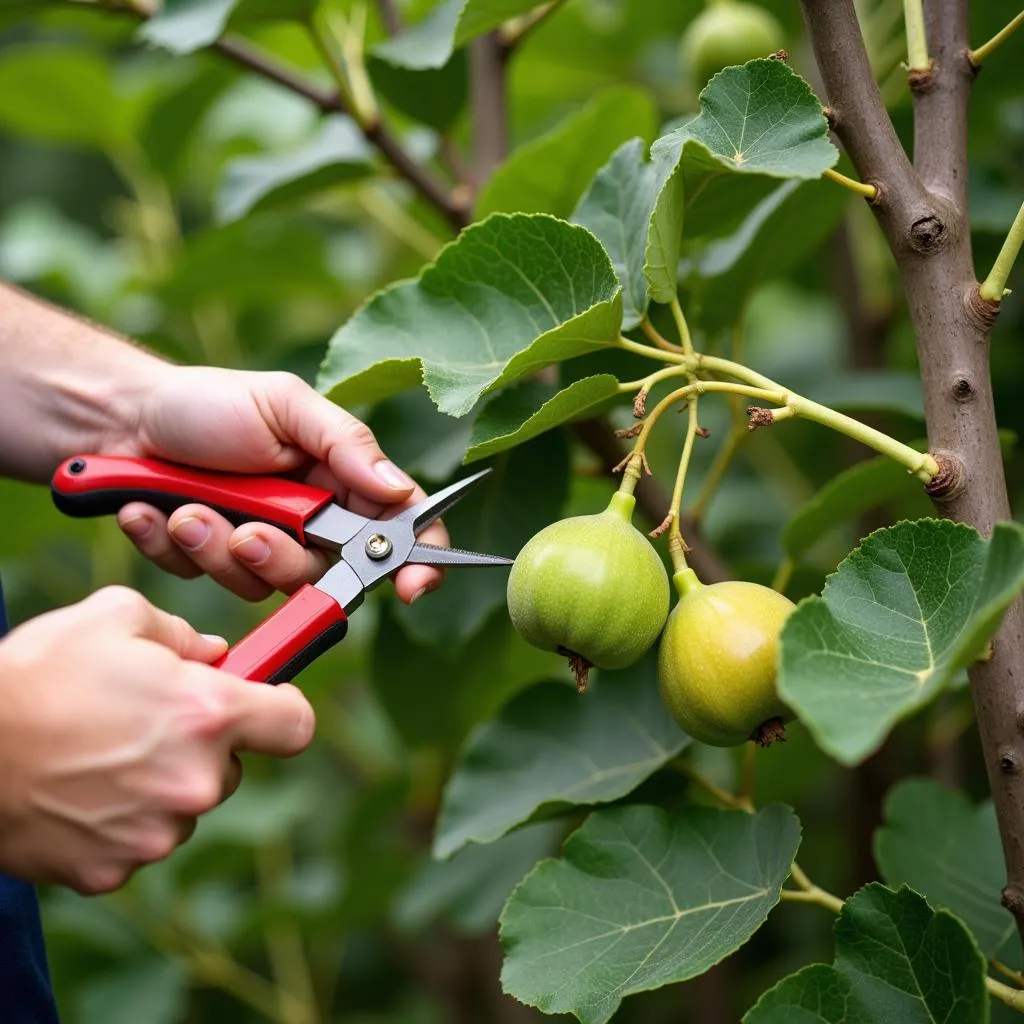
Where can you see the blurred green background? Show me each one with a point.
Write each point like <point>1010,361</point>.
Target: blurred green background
<point>310,895</point>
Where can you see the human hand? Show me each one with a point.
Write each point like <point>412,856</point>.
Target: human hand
<point>249,422</point>
<point>117,737</point>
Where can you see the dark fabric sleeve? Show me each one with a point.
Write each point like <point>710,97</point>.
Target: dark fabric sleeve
<point>25,993</point>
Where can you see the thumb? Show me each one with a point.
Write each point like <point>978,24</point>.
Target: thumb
<point>131,612</point>
<point>275,720</point>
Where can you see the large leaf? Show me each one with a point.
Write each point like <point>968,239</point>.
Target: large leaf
<point>512,294</point>
<point>434,96</point>
<point>183,26</point>
<point>524,493</point>
<point>548,750</point>
<point>430,43</point>
<point>756,119</point>
<point>154,990</point>
<point>61,94</point>
<point>338,153</point>
<point>550,173</point>
<point>641,899</point>
<point>617,208</point>
<point>947,849</point>
<point>470,889</point>
<point>907,610</point>
<point>531,408</point>
<point>896,960</point>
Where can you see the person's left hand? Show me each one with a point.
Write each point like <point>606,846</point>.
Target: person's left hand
<point>250,422</point>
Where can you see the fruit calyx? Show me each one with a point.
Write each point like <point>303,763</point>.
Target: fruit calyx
<point>767,733</point>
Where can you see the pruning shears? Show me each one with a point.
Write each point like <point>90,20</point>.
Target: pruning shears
<point>315,617</point>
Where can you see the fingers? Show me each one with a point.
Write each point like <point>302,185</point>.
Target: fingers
<point>274,720</point>
<point>146,528</point>
<point>138,617</point>
<point>335,437</point>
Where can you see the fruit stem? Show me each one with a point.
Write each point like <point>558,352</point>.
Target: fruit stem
<point>725,798</point>
<point>681,326</point>
<point>917,40</point>
<point>652,353</point>
<point>921,464</point>
<point>685,580</point>
<point>622,504</point>
<point>676,544</point>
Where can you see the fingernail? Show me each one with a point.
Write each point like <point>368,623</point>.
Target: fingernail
<point>214,638</point>
<point>252,550</point>
<point>419,593</point>
<point>392,475</point>
<point>191,532</point>
<point>137,527</point>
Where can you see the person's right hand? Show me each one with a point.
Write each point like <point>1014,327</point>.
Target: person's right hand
<point>115,736</point>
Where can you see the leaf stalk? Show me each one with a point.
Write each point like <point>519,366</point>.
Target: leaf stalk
<point>917,39</point>
<point>978,55</point>
<point>993,288</point>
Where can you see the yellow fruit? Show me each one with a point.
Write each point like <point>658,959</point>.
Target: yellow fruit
<point>717,661</point>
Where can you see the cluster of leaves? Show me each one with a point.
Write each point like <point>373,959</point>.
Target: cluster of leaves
<point>567,818</point>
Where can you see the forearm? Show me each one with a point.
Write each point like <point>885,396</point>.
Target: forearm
<point>65,386</point>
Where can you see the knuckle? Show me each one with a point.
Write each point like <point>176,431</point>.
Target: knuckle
<point>196,794</point>
<point>359,434</point>
<point>154,843</point>
<point>120,601</point>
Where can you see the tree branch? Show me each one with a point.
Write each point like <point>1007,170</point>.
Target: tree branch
<point>929,236</point>
<point>487,88</point>
<point>330,102</point>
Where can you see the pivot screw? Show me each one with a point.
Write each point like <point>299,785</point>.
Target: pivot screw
<point>378,546</point>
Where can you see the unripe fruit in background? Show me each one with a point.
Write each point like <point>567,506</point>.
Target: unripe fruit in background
<point>728,33</point>
<point>717,661</point>
<point>591,588</point>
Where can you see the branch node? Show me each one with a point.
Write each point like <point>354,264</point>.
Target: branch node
<point>962,389</point>
<point>1009,764</point>
<point>640,404</point>
<point>630,431</point>
<point>950,481</point>
<point>1012,898</point>
<point>832,119</point>
<point>878,199</point>
<point>927,235</point>
<point>921,80</point>
<point>980,311</point>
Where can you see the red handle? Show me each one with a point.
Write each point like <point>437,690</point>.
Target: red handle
<point>96,485</point>
<point>305,626</point>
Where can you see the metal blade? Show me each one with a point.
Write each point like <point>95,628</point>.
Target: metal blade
<point>434,506</point>
<point>429,554</point>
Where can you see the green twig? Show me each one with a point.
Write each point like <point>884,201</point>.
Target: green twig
<point>681,326</point>
<point>809,892</point>
<point>858,188</point>
<point>993,288</point>
<point>978,55</point>
<point>1012,997</point>
<point>917,39</point>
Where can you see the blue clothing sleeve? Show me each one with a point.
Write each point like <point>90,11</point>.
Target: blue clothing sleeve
<point>26,996</point>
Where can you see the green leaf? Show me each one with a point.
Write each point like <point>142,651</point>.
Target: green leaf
<point>547,751</point>
<point>434,695</point>
<point>617,209</point>
<point>435,97</point>
<point>530,408</point>
<point>724,271</point>
<point>550,173</point>
<point>510,295</point>
<point>760,118</point>
<point>642,898</point>
<point>947,849</point>
<point>338,153</point>
<point>431,42</point>
<point>525,492</point>
<point>845,497</point>
<point>903,613</point>
<point>154,990</point>
<point>470,889</point>
<point>61,94</point>
<point>182,26</point>
<point>896,960</point>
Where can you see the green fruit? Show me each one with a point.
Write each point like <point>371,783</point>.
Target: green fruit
<point>728,33</point>
<point>717,659</point>
<point>592,588</point>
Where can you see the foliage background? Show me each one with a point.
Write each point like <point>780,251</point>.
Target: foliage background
<point>316,877</point>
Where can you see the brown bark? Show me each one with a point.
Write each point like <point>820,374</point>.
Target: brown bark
<point>923,212</point>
